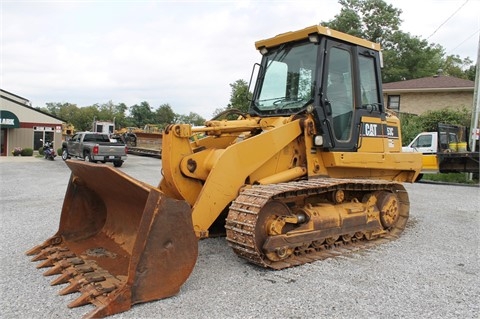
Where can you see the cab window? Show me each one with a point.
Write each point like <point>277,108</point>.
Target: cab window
<point>340,92</point>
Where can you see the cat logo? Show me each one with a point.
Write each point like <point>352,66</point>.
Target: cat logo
<point>370,129</point>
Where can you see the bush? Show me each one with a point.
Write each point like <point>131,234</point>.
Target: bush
<point>461,178</point>
<point>17,151</point>
<point>40,150</point>
<point>27,152</point>
<point>59,151</point>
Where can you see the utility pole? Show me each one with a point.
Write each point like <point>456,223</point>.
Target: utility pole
<point>474,130</point>
<point>476,101</point>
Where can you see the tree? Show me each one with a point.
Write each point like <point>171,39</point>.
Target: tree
<point>120,112</point>
<point>240,97</point>
<point>65,111</point>
<point>457,67</point>
<point>218,111</point>
<point>68,112</point>
<point>192,118</point>
<point>428,121</point>
<point>470,72</point>
<point>164,115</point>
<point>141,114</point>
<point>405,56</point>
<point>374,20</point>
<point>83,120</point>
<point>410,57</point>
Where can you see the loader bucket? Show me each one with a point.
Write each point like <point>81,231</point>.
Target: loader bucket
<point>120,241</point>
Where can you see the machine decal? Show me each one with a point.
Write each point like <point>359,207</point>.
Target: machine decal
<point>379,130</point>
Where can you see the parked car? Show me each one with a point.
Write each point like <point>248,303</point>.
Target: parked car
<point>94,147</point>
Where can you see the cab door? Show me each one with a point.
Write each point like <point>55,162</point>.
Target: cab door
<point>426,144</point>
<point>339,94</point>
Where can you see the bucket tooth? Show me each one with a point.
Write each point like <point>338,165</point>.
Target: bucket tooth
<point>47,263</point>
<point>55,270</point>
<point>63,264</point>
<point>51,242</point>
<point>76,261</point>
<point>105,288</point>
<point>35,250</point>
<point>83,300</point>
<point>71,272</point>
<point>73,287</point>
<point>63,279</point>
<point>64,254</point>
<point>57,255</point>
<point>91,292</point>
<point>94,277</point>
<point>84,279</point>
<point>82,269</point>
<point>47,251</point>
<point>42,255</point>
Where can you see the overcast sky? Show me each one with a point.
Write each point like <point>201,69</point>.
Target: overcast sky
<point>185,53</point>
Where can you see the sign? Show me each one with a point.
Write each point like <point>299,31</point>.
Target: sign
<point>379,130</point>
<point>8,120</point>
<point>476,134</point>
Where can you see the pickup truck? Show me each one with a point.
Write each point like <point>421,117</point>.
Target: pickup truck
<point>94,147</point>
<point>445,151</point>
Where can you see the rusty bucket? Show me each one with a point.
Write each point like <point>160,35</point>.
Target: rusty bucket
<point>120,241</point>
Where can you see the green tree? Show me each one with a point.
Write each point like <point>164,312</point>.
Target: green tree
<point>374,20</point>
<point>164,115</point>
<point>218,111</point>
<point>141,114</point>
<point>121,119</point>
<point>64,111</point>
<point>430,119</point>
<point>192,118</point>
<point>410,57</point>
<point>470,72</point>
<point>454,65</point>
<point>83,120</point>
<point>68,112</point>
<point>52,108</point>
<point>411,125</point>
<point>240,97</point>
<point>405,56</point>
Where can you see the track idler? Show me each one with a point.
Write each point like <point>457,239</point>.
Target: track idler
<point>120,241</point>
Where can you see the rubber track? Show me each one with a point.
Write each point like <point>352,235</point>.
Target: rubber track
<point>244,213</point>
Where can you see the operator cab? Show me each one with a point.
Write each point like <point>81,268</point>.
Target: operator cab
<point>317,69</point>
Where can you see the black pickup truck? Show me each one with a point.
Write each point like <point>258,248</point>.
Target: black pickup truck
<point>94,147</point>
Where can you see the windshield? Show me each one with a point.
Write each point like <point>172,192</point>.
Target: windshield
<point>288,80</point>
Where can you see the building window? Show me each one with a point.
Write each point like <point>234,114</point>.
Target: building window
<point>44,133</point>
<point>394,102</point>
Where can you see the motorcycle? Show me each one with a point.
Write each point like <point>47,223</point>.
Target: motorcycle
<point>48,151</point>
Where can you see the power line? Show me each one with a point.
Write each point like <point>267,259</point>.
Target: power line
<point>447,19</point>
<point>468,38</point>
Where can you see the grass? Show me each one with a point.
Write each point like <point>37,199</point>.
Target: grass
<point>461,178</point>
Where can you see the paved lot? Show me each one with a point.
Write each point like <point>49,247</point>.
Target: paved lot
<point>432,271</point>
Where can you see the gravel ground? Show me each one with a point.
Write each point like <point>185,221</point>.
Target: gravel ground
<point>432,271</point>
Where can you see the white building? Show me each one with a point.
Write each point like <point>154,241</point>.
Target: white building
<point>23,126</point>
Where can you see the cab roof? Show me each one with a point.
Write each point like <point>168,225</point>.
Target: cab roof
<point>304,33</point>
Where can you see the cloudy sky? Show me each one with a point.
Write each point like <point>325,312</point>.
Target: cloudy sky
<point>185,53</point>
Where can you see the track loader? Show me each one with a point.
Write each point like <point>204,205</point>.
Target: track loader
<point>313,168</point>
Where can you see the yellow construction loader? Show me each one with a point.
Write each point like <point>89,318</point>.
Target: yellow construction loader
<point>313,168</point>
